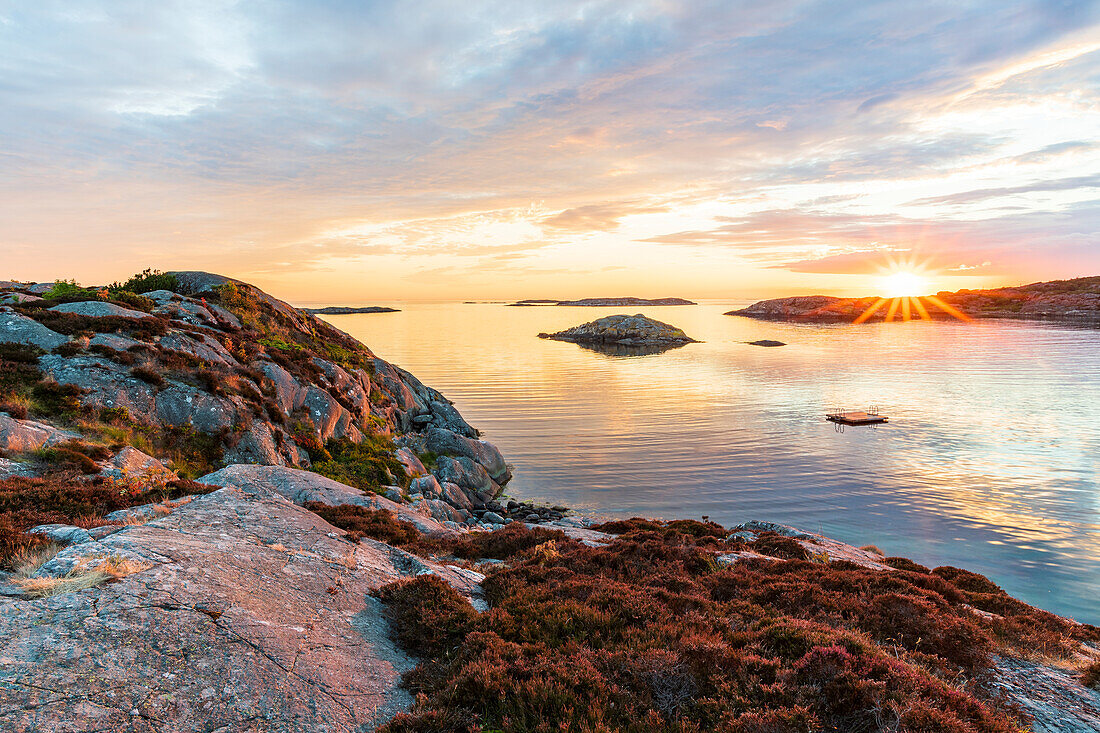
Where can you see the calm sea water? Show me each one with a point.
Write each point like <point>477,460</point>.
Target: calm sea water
<point>991,460</point>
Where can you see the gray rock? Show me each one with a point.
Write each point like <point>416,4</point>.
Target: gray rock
<point>132,463</point>
<point>206,348</point>
<point>253,614</point>
<point>427,485</point>
<point>24,436</point>
<point>113,341</point>
<point>302,487</point>
<point>18,329</point>
<point>62,534</point>
<point>261,444</point>
<point>99,309</point>
<point>465,473</point>
<point>486,455</point>
<point>9,468</point>
<point>492,517</point>
<point>455,496</point>
<point>412,464</point>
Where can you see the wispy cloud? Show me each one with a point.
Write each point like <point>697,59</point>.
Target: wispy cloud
<point>292,140</point>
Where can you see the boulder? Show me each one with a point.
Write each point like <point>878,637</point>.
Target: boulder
<point>455,496</point>
<point>99,309</point>
<point>465,473</point>
<point>13,298</point>
<point>486,455</point>
<point>426,485</point>
<point>18,329</point>
<point>261,444</point>
<point>412,464</point>
<point>24,436</point>
<point>206,348</point>
<point>132,463</point>
<point>246,613</point>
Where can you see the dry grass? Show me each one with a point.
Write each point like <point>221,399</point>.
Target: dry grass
<point>28,560</point>
<point>83,576</point>
<point>873,550</point>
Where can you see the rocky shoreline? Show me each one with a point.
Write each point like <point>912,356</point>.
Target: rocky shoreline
<point>220,513</point>
<point>1075,300</point>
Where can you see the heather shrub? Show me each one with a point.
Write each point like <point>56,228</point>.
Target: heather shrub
<point>1090,677</point>
<point>776,545</point>
<point>428,616</point>
<point>67,498</point>
<point>149,375</point>
<point>648,634</point>
<point>504,544</point>
<point>360,521</point>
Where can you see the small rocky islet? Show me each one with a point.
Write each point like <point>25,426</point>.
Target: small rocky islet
<point>636,331</point>
<point>218,512</point>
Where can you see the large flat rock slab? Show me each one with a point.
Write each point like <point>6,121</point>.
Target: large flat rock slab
<point>302,487</point>
<point>253,615</point>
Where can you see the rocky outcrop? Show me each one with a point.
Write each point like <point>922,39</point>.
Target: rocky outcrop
<point>628,331</point>
<point>267,382</point>
<point>245,612</point>
<point>1073,300</point>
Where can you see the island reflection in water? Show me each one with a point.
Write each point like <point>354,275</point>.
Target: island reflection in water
<point>991,460</point>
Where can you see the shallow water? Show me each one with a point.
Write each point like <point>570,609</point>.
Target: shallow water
<point>991,460</point>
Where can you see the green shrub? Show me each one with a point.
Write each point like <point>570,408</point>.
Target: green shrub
<point>70,289</point>
<point>146,281</point>
<point>368,465</point>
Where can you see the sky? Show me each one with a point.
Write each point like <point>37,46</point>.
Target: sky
<point>360,152</point>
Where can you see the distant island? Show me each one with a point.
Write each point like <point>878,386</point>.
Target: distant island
<point>340,310</point>
<point>1071,300</point>
<point>605,302</point>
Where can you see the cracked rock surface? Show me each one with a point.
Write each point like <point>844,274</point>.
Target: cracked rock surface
<point>253,615</point>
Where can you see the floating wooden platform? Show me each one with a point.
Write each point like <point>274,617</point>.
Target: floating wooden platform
<point>858,417</point>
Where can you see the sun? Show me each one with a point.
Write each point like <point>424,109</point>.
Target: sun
<point>903,284</point>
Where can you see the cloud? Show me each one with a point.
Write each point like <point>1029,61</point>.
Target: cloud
<point>273,133</point>
<point>967,197</point>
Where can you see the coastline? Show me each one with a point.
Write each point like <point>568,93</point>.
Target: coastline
<point>357,485</point>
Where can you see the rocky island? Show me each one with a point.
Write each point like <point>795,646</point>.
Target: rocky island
<point>1069,300</point>
<point>606,302</point>
<point>219,513</point>
<point>341,310</point>
<point>628,335</point>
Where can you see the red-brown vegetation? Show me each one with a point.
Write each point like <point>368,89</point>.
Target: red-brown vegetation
<point>68,498</point>
<point>650,634</point>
